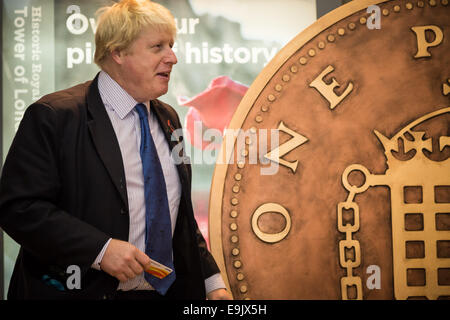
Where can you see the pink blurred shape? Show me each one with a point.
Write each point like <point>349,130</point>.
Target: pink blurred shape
<point>214,108</point>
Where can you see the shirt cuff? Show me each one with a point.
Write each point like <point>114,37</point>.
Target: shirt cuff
<point>214,282</point>
<point>98,260</point>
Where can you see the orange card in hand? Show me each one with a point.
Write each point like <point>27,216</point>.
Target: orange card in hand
<point>158,270</point>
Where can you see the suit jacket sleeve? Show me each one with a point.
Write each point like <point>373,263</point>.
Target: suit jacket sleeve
<point>30,187</point>
<point>208,263</point>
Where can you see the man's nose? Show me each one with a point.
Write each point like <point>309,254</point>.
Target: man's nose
<point>170,57</point>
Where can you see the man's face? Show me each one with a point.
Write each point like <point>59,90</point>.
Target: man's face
<point>146,65</point>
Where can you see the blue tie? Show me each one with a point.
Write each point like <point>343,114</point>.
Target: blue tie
<point>158,235</point>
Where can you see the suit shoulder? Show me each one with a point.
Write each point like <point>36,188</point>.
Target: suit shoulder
<point>167,109</point>
<point>165,106</point>
<point>67,98</point>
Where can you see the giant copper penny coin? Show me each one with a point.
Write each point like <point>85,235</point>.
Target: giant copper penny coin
<point>353,201</point>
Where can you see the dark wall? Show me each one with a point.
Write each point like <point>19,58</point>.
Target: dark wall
<point>325,6</point>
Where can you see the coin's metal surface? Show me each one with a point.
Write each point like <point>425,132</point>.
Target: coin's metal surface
<point>359,206</point>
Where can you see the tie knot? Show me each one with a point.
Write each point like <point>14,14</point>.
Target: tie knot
<point>141,110</point>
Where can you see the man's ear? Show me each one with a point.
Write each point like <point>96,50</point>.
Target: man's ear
<point>117,56</point>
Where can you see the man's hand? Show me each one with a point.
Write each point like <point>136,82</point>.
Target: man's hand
<point>123,261</point>
<point>219,294</point>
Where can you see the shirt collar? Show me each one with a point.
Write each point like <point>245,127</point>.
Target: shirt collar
<point>114,96</point>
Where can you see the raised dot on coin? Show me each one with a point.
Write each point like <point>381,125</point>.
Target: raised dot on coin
<point>303,60</point>
<point>241,164</point>
<point>278,87</point>
<point>237,176</point>
<point>409,6</point>
<point>432,3</point>
<point>264,108</point>
<point>248,140</point>
<point>311,52</point>
<point>294,69</point>
<point>444,2</point>
<point>286,78</point>
<point>351,26</point>
<point>385,12</point>
<point>234,239</point>
<point>271,97</point>
<point>234,201</point>
<point>235,251</point>
<point>233,226</point>
<point>233,213</point>
<point>321,45</point>
<point>331,38</point>
<point>240,276</point>
<point>397,8</point>
<point>253,130</point>
<point>237,264</point>
<point>244,153</point>
<point>258,119</point>
<point>341,31</point>
<point>420,4</point>
<point>235,188</point>
<point>363,20</point>
<point>243,289</point>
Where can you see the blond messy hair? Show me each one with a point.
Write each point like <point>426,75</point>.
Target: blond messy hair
<point>120,24</point>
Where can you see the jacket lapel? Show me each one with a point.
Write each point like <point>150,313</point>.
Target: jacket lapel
<point>105,141</point>
<point>168,126</point>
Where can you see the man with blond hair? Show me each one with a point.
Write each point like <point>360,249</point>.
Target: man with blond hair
<point>89,188</point>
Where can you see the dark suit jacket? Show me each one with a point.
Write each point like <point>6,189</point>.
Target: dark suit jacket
<point>63,194</point>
